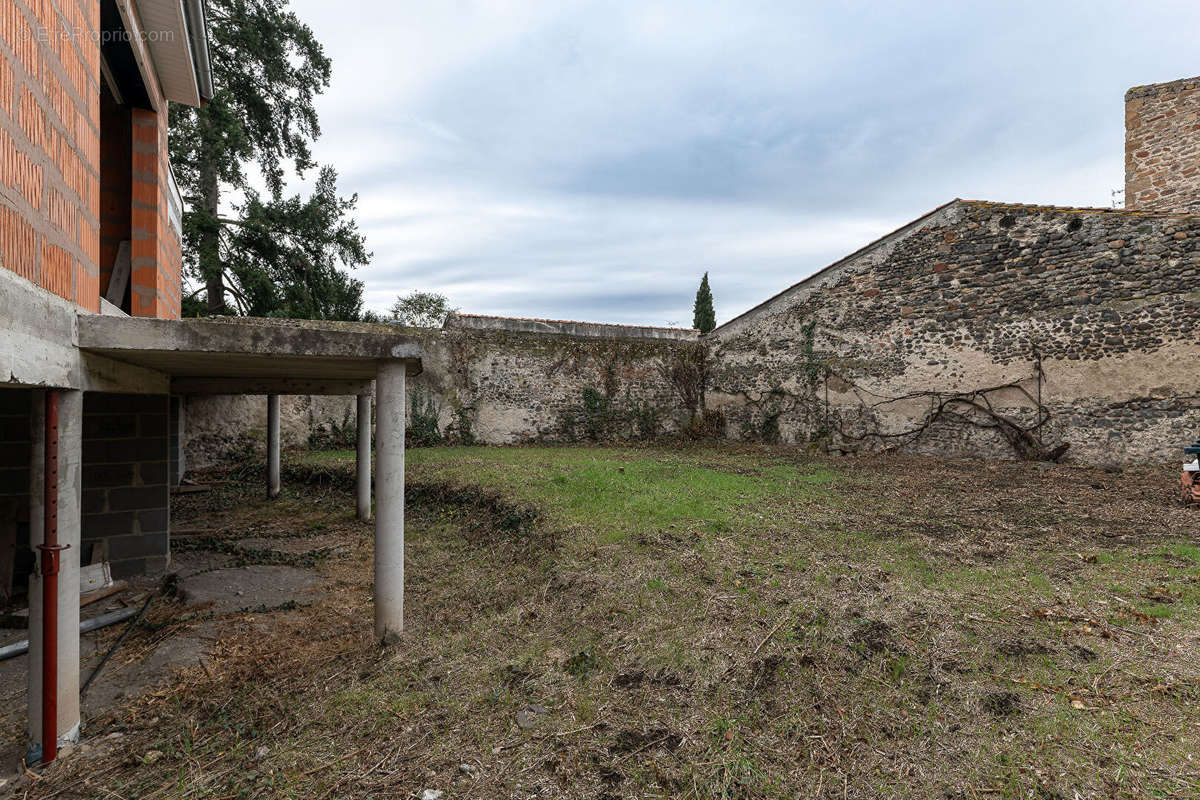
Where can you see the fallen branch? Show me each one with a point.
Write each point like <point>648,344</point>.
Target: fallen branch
<point>778,625</point>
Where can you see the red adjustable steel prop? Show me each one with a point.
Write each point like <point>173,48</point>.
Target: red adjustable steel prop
<point>51,550</point>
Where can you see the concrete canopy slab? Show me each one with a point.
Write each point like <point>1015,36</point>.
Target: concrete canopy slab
<point>240,356</point>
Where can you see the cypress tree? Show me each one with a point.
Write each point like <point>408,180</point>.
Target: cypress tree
<point>704,318</point>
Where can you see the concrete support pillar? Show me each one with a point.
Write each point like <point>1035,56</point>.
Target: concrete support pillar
<point>273,486</point>
<point>389,500</point>
<point>363,463</point>
<point>70,473</point>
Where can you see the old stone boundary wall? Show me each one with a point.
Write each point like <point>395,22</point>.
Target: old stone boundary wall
<point>982,329</point>
<point>490,380</point>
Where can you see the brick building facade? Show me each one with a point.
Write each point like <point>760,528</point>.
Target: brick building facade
<point>83,152</point>
<point>90,333</point>
<point>49,147</point>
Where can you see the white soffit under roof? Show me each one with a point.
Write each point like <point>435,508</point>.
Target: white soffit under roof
<point>166,32</point>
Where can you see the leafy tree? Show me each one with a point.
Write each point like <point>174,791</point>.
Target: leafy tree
<point>704,318</point>
<point>286,255</point>
<point>267,69</point>
<point>421,309</point>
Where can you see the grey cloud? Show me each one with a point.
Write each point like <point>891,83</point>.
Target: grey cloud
<point>592,159</point>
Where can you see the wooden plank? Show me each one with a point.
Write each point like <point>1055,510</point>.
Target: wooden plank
<point>185,489</point>
<point>20,618</point>
<point>100,594</point>
<point>118,281</point>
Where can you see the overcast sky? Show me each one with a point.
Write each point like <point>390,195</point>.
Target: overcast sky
<point>590,160</point>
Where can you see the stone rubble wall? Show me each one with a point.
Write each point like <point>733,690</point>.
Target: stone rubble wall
<point>218,427</point>
<point>1076,325</point>
<point>508,380</point>
<point>975,296</point>
<point>1162,150</point>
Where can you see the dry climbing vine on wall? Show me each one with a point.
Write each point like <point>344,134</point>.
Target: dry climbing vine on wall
<point>462,352</point>
<point>607,354</point>
<point>687,373</point>
<point>973,408</point>
<point>604,412</point>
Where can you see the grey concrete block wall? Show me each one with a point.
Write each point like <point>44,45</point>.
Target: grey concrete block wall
<point>14,443</point>
<point>15,407</point>
<point>126,496</point>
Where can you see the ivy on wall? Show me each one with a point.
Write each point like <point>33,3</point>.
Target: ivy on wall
<point>622,391</point>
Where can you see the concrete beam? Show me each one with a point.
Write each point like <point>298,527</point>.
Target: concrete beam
<point>271,386</point>
<point>100,374</point>
<point>249,348</point>
<point>38,336</point>
<point>363,463</point>
<point>273,484</point>
<point>46,342</point>
<point>389,500</point>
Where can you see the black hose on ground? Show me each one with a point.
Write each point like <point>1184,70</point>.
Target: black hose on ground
<point>120,640</point>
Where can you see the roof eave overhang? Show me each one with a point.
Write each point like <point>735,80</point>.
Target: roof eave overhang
<point>168,29</point>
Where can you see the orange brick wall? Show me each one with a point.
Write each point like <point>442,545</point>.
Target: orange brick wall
<point>50,162</point>
<point>49,146</point>
<point>155,250</point>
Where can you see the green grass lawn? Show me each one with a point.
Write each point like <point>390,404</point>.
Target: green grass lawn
<point>716,622</point>
<point>618,492</point>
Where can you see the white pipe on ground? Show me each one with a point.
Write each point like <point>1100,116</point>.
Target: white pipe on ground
<point>389,500</point>
<point>363,464</point>
<point>87,626</point>
<point>273,485</point>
